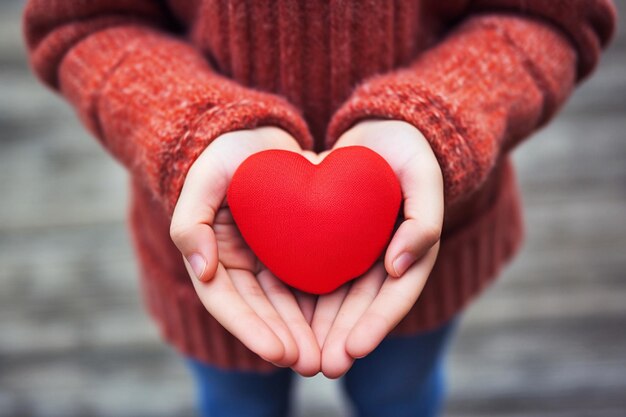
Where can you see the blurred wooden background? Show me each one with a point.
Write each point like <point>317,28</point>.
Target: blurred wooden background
<point>548,339</point>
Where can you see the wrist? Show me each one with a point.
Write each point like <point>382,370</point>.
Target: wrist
<point>390,137</point>
<point>274,137</point>
<point>230,149</point>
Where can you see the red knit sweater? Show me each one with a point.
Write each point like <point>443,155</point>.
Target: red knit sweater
<point>157,81</point>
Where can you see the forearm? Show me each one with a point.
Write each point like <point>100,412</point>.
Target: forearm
<point>151,99</point>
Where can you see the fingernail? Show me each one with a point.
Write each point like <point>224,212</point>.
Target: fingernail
<point>198,264</point>
<point>403,262</point>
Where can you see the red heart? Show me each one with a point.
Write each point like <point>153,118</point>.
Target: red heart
<point>316,227</point>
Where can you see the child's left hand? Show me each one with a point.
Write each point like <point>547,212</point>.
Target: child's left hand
<point>351,321</point>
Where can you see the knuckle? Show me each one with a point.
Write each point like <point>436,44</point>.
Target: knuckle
<point>253,291</point>
<point>270,284</point>
<point>430,234</point>
<point>296,322</point>
<point>402,300</point>
<point>278,289</point>
<point>363,292</point>
<point>179,232</point>
<point>381,321</point>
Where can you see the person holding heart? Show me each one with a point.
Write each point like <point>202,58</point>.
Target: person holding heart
<point>183,92</point>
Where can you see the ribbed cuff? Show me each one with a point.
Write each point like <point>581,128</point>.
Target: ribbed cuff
<point>155,117</point>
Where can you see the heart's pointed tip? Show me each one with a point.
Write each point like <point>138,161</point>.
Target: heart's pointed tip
<point>315,287</point>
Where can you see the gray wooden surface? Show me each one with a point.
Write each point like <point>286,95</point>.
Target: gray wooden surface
<point>548,339</point>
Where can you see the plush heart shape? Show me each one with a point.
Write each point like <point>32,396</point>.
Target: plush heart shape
<point>316,227</point>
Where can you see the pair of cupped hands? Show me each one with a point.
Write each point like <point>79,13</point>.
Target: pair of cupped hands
<point>289,328</point>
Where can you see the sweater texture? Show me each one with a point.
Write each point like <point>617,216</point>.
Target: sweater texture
<point>157,81</point>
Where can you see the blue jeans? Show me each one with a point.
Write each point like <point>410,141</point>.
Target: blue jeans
<point>404,376</point>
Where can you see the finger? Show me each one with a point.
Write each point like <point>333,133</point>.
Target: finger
<point>285,303</point>
<point>306,302</point>
<point>199,248</point>
<point>326,310</point>
<point>225,304</point>
<point>232,249</point>
<point>254,295</point>
<point>335,359</point>
<point>393,302</point>
<point>422,187</point>
<point>193,217</point>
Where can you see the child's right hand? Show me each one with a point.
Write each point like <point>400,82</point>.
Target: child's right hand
<point>236,289</point>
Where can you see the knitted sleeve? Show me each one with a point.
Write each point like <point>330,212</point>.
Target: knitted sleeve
<point>151,99</point>
<point>497,76</point>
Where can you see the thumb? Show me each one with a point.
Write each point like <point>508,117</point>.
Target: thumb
<point>199,249</point>
<point>421,229</point>
<point>191,228</point>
